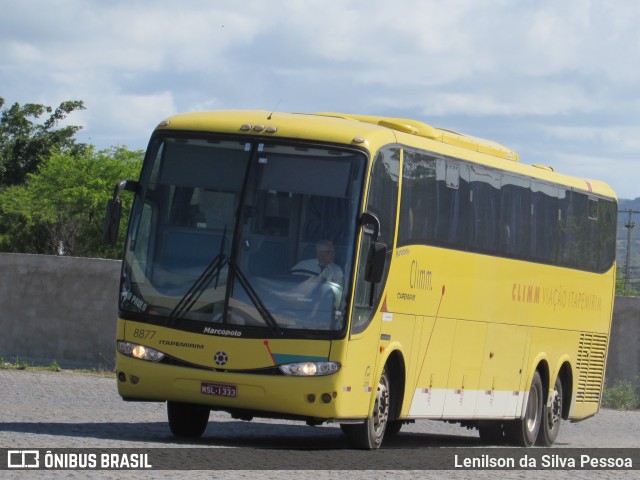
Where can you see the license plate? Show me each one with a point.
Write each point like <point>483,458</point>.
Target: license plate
<point>218,389</point>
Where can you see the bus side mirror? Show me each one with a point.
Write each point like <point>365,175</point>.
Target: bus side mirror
<point>370,224</point>
<point>113,212</point>
<point>111,225</point>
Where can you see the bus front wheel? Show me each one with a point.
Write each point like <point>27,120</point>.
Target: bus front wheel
<point>187,420</point>
<point>369,435</point>
<point>524,431</point>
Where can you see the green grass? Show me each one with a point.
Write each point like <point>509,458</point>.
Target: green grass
<point>17,364</point>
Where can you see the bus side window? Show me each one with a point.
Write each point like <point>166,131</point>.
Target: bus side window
<point>515,216</point>
<point>577,228</point>
<point>544,228</point>
<point>418,204</point>
<point>607,212</point>
<point>484,211</point>
<point>452,200</point>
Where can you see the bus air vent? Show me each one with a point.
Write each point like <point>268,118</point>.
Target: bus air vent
<point>592,351</point>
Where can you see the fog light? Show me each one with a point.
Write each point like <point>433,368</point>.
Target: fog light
<point>326,398</point>
<point>134,379</point>
<point>122,376</point>
<point>311,398</point>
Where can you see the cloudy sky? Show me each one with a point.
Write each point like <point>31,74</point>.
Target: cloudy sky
<point>556,81</point>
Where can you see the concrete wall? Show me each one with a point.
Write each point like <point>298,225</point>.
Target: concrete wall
<point>58,308</point>
<point>623,361</point>
<point>64,309</point>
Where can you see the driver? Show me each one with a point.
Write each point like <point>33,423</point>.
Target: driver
<point>322,266</point>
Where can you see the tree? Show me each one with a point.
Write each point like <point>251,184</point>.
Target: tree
<point>60,209</point>
<point>25,141</point>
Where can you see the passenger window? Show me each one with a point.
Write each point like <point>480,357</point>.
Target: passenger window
<point>452,204</point>
<point>418,204</point>
<point>484,211</point>
<point>544,228</point>
<point>515,216</point>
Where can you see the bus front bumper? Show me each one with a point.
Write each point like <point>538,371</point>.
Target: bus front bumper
<point>306,398</point>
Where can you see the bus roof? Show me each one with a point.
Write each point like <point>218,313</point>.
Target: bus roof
<point>287,125</point>
<point>415,127</point>
<point>372,132</point>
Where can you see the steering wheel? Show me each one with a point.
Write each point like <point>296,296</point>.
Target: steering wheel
<point>304,271</point>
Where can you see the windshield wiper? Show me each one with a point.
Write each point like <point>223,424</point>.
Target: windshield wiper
<point>257,302</point>
<point>198,287</point>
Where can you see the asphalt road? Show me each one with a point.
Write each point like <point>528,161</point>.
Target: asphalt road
<point>51,410</point>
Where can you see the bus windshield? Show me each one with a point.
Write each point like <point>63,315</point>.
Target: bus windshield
<point>248,234</point>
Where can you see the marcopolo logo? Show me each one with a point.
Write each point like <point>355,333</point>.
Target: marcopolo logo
<point>23,459</point>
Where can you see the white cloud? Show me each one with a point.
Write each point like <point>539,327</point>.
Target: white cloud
<point>19,52</point>
<point>129,119</point>
<point>616,140</point>
<point>593,167</point>
<point>561,73</point>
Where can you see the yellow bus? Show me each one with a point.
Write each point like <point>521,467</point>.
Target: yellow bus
<point>367,271</point>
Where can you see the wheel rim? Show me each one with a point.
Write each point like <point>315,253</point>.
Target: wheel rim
<point>381,408</point>
<point>555,412</point>
<point>532,409</point>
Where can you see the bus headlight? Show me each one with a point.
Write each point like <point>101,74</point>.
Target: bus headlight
<point>310,369</point>
<point>139,351</point>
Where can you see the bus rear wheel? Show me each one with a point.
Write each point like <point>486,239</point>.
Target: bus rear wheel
<point>393,428</point>
<point>523,432</point>
<point>187,420</point>
<point>369,435</point>
<point>551,417</point>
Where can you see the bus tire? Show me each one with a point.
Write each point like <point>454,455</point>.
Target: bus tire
<point>187,420</point>
<point>551,417</point>
<point>369,435</point>
<point>393,428</point>
<point>523,432</point>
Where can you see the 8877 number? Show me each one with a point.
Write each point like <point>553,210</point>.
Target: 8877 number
<point>143,333</point>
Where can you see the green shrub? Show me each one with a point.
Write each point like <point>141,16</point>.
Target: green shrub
<point>621,396</point>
